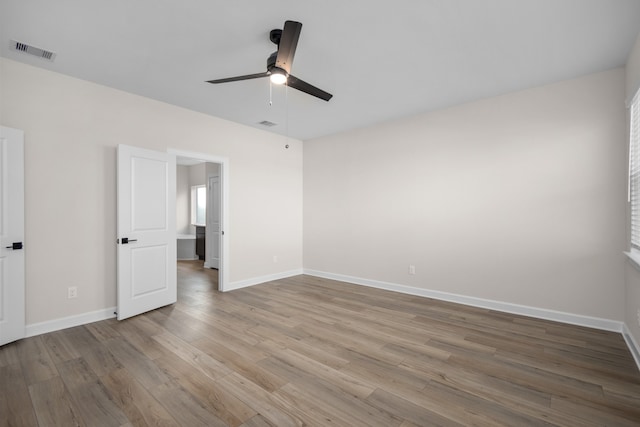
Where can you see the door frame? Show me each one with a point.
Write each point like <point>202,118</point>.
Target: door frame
<point>223,271</point>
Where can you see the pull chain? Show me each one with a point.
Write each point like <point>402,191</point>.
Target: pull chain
<point>286,105</point>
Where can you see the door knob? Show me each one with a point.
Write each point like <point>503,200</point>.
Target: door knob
<point>15,246</point>
<point>126,240</point>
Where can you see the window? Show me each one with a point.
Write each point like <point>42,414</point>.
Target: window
<point>199,205</point>
<point>634,172</point>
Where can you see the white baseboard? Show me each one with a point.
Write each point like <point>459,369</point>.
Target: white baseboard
<point>69,322</point>
<point>632,344</point>
<point>540,313</point>
<point>261,279</point>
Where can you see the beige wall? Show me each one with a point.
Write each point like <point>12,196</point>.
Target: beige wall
<point>518,199</point>
<point>72,128</point>
<point>198,174</point>
<point>632,296</point>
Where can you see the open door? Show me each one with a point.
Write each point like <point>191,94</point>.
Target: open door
<point>146,230</point>
<point>213,222</point>
<point>12,297</point>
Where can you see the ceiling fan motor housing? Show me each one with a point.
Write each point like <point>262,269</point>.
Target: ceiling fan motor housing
<point>271,64</point>
<point>271,60</point>
<point>275,35</point>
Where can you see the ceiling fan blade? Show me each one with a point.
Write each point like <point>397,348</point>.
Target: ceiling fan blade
<point>238,78</point>
<point>288,44</point>
<point>305,87</point>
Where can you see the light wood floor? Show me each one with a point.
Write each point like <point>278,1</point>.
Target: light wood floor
<point>309,351</point>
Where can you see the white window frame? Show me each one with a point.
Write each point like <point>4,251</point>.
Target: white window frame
<point>634,179</point>
<point>194,205</point>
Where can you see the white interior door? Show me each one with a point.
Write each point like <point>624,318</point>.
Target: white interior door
<point>12,297</point>
<point>213,222</point>
<point>146,230</point>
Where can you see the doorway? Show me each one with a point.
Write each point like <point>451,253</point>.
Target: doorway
<point>146,223</point>
<point>200,223</point>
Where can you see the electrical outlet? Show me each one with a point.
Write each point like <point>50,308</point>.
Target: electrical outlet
<point>275,258</point>
<point>412,269</point>
<point>72,292</point>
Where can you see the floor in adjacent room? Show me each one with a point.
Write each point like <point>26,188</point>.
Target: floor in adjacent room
<point>311,351</point>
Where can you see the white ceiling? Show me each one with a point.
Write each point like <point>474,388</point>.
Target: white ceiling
<point>380,59</point>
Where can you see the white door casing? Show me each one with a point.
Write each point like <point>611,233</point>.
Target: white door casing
<point>146,240</point>
<point>213,222</point>
<point>12,277</point>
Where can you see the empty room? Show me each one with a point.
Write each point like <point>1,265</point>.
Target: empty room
<point>363,213</point>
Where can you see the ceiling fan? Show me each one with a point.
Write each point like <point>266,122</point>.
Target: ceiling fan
<point>279,62</point>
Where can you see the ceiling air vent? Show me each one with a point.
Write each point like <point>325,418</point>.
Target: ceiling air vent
<point>32,50</point>
<point>267,123</point>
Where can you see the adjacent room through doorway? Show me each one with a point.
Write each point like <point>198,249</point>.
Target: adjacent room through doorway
<point>198,226</point>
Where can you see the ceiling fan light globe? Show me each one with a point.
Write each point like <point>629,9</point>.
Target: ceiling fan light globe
<point>278,78</point>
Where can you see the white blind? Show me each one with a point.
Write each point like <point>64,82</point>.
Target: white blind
<point>634,171</point>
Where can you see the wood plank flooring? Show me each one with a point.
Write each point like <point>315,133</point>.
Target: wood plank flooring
<point>309,351</point>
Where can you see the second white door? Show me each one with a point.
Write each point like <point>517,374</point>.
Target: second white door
<point>213,222</point>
